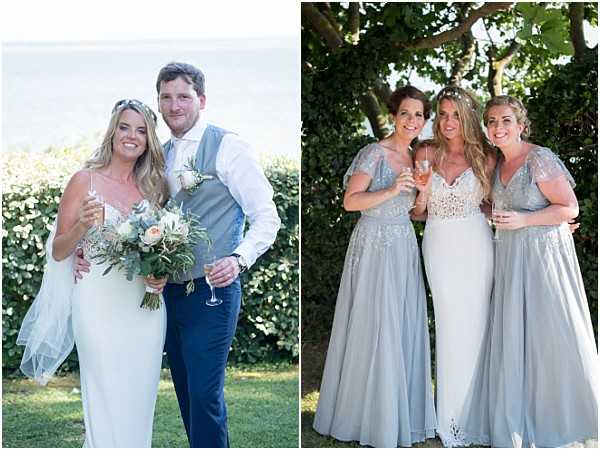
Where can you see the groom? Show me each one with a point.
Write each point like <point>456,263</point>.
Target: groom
<point>199,336</point>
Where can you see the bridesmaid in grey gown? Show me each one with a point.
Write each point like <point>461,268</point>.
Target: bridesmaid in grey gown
<point>538,384</point>
<point>376,386</point>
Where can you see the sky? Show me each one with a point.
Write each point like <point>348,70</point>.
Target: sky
<point>70,20</point>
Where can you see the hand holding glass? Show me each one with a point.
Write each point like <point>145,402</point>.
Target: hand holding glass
<point>208,268</point>
<point>100,201</point>
<point>496,210</point>
<point>422,171</point>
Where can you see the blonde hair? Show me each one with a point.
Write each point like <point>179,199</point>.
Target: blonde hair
<point>518,109</point>
<point>477,147</point>
<point>149,169</point>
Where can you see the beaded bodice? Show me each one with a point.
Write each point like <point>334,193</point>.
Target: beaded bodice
<point>455,201</point>
<point>521,193</point>
<point>371,160</point>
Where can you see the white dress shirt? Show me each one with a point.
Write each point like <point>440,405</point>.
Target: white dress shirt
<point>239,170</point>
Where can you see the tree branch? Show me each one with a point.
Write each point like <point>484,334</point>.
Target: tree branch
<point>322,26</point>
<point>354,21</point>
<point>460,67</point>
<point>497,66</point>
<point>576,30</point>
<point>382,91</point>
<point>325,8</point>
<point>371,108</point>
<point>455,33</point>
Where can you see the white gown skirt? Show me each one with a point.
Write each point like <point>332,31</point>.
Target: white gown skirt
<point>459,262</point>
<point>120,347</point>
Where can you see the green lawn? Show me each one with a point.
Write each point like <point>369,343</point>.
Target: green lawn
<point>262,403</point>
<point>313,355</point>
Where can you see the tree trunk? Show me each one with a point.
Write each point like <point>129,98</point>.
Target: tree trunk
<point>322,25</point>
<point>371,108</point>
<point>462,64</point>
<point>497,66</point>
<point>576,30</point>
<point>354,21</point>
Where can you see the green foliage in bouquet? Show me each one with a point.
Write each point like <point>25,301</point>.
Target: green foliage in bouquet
<point>268,324</point>
<point>150,241</point>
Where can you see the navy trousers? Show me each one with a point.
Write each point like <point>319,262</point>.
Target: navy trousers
<point>197,345</point>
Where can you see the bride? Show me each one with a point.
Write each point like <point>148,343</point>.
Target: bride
<point>457,250</point>
<point>119,344</point>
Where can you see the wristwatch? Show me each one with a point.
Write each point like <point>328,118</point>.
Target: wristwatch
<point>241,262</point>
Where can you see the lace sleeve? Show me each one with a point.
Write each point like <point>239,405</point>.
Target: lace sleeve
<point>366,161</point>
<point>546,166</point>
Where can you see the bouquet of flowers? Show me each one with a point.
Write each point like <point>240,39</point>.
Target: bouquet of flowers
<point>151,241</point>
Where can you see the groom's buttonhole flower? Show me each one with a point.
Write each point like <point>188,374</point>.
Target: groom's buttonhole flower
<point>191,178</point>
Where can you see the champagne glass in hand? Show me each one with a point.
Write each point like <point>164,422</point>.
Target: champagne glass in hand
<point>496,207</point>
<point>209,265</point>
<point>422,172</point>
<point>98,199</point>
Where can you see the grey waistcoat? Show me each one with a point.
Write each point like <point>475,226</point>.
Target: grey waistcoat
<point>217,210</point>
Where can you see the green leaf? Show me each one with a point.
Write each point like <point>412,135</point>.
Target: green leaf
<point>556,42</point>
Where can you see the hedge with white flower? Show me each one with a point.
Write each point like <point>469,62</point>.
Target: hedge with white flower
<point>269,317</point>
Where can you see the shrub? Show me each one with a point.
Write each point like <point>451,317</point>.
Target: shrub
<point>564,113</point>
<point>33,183</point>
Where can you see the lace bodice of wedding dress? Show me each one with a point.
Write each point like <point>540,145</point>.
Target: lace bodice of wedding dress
<point>458,200</point>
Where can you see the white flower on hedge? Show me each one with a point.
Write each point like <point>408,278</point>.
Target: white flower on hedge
<point>169,221</point>
<point>188,179</point>
<point>152,235</point>
<point>125,230</point>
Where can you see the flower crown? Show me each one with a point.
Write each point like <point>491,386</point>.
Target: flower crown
<point>456,92</point>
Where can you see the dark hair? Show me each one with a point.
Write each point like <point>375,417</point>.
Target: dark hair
<point>191,75</point>
<point>408,92</point>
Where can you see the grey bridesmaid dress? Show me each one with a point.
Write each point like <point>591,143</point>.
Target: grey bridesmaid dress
<point>376,386</point>
<point>537,384</point>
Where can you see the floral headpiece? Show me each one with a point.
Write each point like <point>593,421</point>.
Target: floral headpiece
<point>456,92</point>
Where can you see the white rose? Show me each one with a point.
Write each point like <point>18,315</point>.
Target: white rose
<point>169,220</point>
<point>152,235</point>
<point>125,230</point>
<point>188,179</point>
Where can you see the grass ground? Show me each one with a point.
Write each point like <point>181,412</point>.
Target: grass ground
<point>313,359</point>
<point>262,405</point>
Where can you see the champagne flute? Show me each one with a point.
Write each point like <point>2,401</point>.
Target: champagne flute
<point>209,265</point>
<point>98,198</point>
<point>422,171</point>
<point>496,206</point>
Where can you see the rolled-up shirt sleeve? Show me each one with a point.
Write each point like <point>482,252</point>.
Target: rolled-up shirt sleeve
<point>238,168</point>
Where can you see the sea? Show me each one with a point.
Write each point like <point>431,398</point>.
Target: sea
<point>61,93</point>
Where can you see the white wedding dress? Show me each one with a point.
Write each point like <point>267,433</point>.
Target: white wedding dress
<point>459,260</point>
<point>120,348</point>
